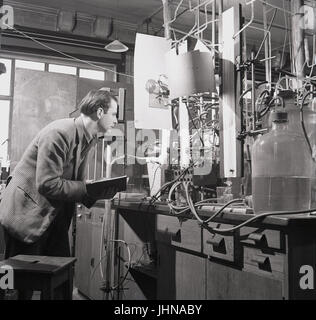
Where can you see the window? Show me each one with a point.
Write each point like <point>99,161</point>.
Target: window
<point>30,65</point>
<point>4,131</point>
<point>91,74</point>
<point>5,78</point>
<point>62,69</point>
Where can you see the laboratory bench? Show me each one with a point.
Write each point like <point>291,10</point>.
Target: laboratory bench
<point>174,257</point>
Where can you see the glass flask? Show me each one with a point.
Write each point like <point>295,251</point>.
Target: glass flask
<point>281,168</point>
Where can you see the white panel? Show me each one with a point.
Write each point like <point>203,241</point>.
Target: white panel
<point>149,63</point>
<point>190,73</point>
<point>229,117</point>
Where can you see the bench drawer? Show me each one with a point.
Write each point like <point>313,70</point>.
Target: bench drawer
<point>271,264</point>
<point>259,238</point>
<point>185,234</point>
<point>221,246</point>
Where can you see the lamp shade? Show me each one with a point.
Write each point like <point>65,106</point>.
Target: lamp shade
<point>116,46</point>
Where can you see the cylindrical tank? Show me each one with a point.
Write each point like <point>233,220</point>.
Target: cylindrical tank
<point>281,168</point>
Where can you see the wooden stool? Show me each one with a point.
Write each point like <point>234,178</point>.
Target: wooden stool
<point>42,273</point>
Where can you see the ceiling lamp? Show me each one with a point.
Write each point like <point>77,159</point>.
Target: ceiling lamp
<point>116,46</point>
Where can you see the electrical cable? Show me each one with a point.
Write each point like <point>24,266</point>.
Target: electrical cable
<point>128,264</point>
<point>262,215</point>
<point>204,223</point>
<point>190,116</point>
<point>192,207</point>
<point>67,55</point>
<point>249,90</point>
<point>105,256</point>
<point>264,111</point>
<point>155,197</point>
<point>101,241</point>
<point>222,208</point>
<point>303,124</point>
<point>273,100</point>
<point>95,268</point>
<point>154,178</point>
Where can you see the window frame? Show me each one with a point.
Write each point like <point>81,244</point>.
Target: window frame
<point>48,60</point>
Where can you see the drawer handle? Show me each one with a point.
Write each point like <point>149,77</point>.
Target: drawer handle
<point>218,244</point>
<point>216,241</point>
<point>263,262</point>
<point>258,238</point>
<point>176,237</point>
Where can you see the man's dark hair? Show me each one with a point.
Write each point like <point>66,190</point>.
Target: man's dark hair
<point>96,99</point>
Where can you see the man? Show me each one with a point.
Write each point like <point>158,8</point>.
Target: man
<point>39,201</point>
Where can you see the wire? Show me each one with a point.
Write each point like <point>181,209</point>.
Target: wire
<point>128,264</point>
<point>173,207</point>
<point>189,113</point>
<point>303,124</point>
<point>158,167</point>
<point>101,240</point>
<point>95,268</point>
<point>264,111</point>
<point>67,55</point>
<point>222,208</point>
<point>262,215</point>
<point>192,207</point>
<point>155,197</point>
<point>204,223</point>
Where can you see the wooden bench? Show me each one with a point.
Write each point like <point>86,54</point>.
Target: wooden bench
<point>43,273</point>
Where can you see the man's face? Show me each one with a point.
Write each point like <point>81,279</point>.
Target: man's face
<point>108,120</point>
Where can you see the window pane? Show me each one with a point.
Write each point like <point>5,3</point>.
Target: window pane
<point>30,65</point>
<point>62,69</point>
<point>4,131</point>
<point>91,74</point>
<point>5,78</point>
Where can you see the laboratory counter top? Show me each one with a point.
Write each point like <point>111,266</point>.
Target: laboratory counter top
<point>233,214</point>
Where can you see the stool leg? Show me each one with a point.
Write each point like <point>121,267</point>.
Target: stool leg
<point>68,285</point>
<point>47,292</point>
<point>25,294</point>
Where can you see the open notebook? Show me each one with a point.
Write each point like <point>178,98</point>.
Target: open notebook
<point>98,189</point>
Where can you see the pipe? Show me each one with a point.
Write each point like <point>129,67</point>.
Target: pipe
<point>253,91</point>
<point>251,20</point>
<point>297,39</point>
<point>166,18</point>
